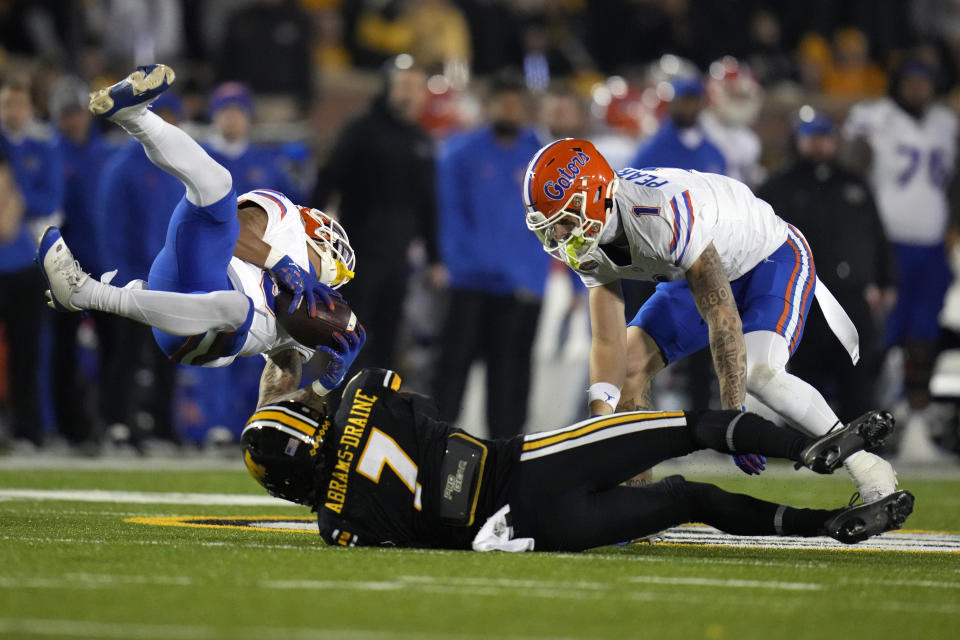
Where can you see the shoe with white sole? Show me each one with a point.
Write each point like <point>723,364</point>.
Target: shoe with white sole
<point>857,523</point>
<point>134,92</point>
<point>61,271</point>
<point>874,476</point>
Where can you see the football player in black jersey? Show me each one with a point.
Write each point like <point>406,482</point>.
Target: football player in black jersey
<point>383,470</point>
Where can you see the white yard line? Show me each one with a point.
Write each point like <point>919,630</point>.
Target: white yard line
<point>40,627</point>
<point>143,497</point>
<point>169,543</point>
<point>727,583</point>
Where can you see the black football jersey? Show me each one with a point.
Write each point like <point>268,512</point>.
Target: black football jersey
<point>382,482</point>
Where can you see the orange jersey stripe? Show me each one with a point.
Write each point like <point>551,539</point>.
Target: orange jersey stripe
<point>791,285</point>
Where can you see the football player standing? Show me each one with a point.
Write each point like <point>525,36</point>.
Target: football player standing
<point>910,146</point>
<point>732,275</point>
<point>210,292</point>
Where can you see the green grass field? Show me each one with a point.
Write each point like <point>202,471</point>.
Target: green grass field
<point>76,569</point>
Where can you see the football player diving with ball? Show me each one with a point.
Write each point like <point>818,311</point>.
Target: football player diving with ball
<point>212,291</point>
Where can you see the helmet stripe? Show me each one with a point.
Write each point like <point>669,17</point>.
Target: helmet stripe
<point>294,433</point>
<point>528,176</point>
<point>294,414</point>
<point>282,418</point>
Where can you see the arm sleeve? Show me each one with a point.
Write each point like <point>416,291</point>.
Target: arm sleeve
<point>678,237</point>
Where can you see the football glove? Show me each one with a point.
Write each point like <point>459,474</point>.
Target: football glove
<point>302,285</point>
<point>751,464</point>
<point>341,358</point>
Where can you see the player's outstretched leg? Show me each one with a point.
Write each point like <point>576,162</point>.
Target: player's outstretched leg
<point>583,519</point>
<point>857,523</point>
<point>182,314</point>
<point>801,404</point>
<point>167,146</point>
<point>734,432</point>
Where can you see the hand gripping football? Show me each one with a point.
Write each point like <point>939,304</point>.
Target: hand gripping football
<point>313,332</point>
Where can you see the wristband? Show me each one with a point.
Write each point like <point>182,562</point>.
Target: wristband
<point>273,258</point>
<point>319,389</point>
<point>604,391</point>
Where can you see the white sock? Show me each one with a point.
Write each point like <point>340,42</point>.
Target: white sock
<point>179,314</point>
<point>788,395</point>
<point>171,149</point>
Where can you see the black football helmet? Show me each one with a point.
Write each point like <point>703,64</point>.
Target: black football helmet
<point>282,448</point>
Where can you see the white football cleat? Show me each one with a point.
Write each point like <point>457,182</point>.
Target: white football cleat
<point>874,476</point>
<point>61,271</point>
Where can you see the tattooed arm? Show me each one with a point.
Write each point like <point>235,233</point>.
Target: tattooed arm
<point>711,291</point>
<point>281,377</point>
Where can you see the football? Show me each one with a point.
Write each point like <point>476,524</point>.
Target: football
<point>314,332</point>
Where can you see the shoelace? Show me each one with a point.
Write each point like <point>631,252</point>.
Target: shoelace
<point>853,498</point>
<point>75,275</point>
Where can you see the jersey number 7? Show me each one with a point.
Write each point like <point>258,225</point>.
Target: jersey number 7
<point>382,450</point>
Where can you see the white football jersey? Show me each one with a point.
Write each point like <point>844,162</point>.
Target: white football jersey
<point>912,164</point>
<point>671,215</point>
<point>739,145</point>
<point>285,233</point>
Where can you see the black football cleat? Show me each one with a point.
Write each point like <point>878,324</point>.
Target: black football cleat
<point>863,434</point>
<point>856,524</point>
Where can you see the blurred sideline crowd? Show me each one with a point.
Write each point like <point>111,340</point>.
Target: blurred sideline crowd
<point>412,121</point>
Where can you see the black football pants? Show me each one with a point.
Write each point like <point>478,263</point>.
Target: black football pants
<point>567,493</point>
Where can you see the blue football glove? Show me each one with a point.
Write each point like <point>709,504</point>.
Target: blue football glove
<point>341,358</point>
<point>751,464</point>
<point>301,284</point>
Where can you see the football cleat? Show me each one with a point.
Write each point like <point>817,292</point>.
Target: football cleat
<point>136,91</point>
<point>856,524</point>
<point>865,433</point>
<point>61,271</point>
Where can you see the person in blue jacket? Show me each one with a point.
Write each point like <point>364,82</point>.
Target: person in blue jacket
<point>497,272</point>
<point>225,396</point>
<point>33,163</point>
<point>83,152</point>
<point>681,143</point>
<point>135,198</point>
<point>251,166</point>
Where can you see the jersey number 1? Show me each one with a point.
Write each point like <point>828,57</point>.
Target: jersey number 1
<point>383,450</point>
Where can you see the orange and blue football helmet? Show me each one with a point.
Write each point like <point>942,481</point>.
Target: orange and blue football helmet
<point>568,193</point>
<point>328,238</point>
